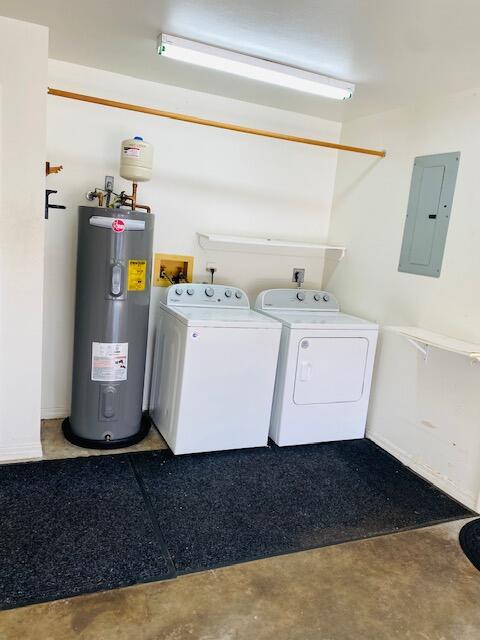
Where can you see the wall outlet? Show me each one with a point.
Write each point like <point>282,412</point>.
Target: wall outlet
<point>298,275</point>
<point>109,183</point>
<point>212,270</point>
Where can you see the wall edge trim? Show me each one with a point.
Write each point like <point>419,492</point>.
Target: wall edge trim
<point>52,413</point>
<point>442,483</point>
<point>25,451</point>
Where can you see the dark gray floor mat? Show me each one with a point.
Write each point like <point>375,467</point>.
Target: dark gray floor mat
<point>74,526</point>
<point>222,508</point>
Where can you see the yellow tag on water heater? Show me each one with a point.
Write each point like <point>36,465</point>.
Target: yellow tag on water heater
<point>137,275</point>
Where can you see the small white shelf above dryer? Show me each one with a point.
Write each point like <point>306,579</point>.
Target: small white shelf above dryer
<point>216,242</point>
<point>422,339</point>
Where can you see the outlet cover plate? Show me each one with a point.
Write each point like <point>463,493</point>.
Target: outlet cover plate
<point>301,275</point>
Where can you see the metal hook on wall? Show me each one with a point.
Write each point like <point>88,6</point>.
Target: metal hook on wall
<point>48,192</point>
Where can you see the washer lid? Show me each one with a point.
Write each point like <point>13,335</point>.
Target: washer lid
<point>321,320</point>
<point>222,317</point>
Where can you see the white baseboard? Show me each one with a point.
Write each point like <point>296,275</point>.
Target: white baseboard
<point>442,482</point>
<point>51,413</point>
<point>26,451</point>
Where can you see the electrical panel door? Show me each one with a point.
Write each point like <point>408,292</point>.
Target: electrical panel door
<point>428,214</point>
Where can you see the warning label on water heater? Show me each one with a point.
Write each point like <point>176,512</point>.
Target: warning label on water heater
<point>137,275</point>
<point>109,361</point>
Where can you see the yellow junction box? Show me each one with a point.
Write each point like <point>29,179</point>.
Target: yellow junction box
<point>177,268</point>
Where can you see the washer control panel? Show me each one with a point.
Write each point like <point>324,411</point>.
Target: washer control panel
<point>206,295</point>
<point>297,299</point>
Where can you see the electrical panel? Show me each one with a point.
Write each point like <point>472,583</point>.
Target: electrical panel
<point>428,213</point>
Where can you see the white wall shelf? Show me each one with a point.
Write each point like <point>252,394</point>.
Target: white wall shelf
<point>422,339</point>
<point>216,242</point>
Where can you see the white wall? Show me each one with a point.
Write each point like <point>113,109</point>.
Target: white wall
<point>23,78</point>
<point>204,180</point>
<point>424,412</point>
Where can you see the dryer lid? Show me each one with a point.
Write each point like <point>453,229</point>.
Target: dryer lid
<point>222,317</point>
<point>318,320</point>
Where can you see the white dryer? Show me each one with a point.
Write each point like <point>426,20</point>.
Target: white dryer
<point>214,369</point>
<point>324,368</point>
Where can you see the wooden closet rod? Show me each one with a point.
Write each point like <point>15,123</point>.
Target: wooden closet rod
<point>211,123</point>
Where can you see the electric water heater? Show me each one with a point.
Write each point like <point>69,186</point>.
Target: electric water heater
<point>111,323</point>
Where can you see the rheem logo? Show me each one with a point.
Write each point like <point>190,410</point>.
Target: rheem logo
<point>118,225</point>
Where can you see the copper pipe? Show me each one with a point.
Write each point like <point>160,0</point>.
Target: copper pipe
<point>212,123</point>
<point>133,199</point>
<point>144,206</point>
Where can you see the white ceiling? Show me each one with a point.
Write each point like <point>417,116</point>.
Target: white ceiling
<point>395,51</point>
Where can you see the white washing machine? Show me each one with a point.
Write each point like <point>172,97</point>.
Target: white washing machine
<point>214,369</point>
<point>324,368</point>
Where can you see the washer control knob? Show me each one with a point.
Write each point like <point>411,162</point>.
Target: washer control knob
<point>238,294</point>
<point>326,298</point>
<point>316,297</point>
<point>179,291</point>
<point>300,296</point>
<point>209,292</point>
<point>228,293</point>
<point>190,291</point>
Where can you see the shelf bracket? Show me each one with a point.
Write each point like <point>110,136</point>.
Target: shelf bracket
<point>339,253</point>
<point>423,349</point>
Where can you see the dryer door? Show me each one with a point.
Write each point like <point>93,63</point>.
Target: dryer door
<point>330,369</point>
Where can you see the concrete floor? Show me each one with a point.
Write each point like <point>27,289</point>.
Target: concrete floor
<point>415,585</point>
<point>409,586</point>
<point>54,445</point>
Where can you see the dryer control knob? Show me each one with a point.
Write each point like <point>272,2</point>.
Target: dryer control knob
<point>179,291</point>
<point>300,295</point>
<point>228,293</point>
<point>190,292</point>
<point>316,297</point>
<point>326,298</point>
<point>238,294</point>
<point>209,292</point>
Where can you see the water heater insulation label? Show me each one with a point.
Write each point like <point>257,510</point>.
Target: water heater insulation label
<point>109,361</point>
<point>137,275</point>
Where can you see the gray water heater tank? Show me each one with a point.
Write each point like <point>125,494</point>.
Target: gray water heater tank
<point>114,259</point>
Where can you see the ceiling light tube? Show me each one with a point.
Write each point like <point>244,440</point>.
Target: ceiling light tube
<point>253,68</point>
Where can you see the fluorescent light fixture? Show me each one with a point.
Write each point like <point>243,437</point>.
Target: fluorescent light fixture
<point>254,68</point>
